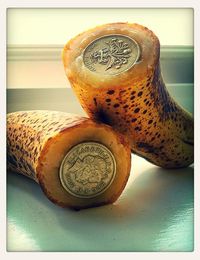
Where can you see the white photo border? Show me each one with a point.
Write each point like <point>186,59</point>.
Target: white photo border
<point>97,4</point>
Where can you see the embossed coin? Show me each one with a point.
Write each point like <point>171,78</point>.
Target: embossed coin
<point>87,170</point>
<point>111,54</point>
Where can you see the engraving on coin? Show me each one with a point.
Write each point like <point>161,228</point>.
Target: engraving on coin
<point>111,54</point>
<point>87,170</point>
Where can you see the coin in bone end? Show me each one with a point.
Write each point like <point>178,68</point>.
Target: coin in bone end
<point>87,170</point>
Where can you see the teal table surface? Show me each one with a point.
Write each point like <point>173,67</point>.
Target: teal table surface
<point>154,212</point>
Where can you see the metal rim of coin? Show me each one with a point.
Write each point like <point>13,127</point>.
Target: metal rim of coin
<point>114,57</point>
<point>87,170</point>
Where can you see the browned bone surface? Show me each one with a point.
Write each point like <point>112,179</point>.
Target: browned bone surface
<point>135,100</point>
<point>37,142</point>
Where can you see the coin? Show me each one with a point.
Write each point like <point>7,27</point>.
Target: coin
<point>87,170</point>
<point>111,54</point>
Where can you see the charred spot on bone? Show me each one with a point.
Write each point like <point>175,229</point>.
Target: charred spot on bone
<point>148,148</point>
<point>95,101</point>
<point>144,112</point>
<point>133,120</point>
<point>136,110</point>
<point>126,106</point>
<point>110,92</point>
<point>103,117</point>
<point>138,128</point>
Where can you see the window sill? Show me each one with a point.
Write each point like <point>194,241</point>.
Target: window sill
<point>41,66</point>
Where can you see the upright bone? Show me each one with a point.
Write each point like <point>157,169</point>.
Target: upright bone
<point>115,72</point>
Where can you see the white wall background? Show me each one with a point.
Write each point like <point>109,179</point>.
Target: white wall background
<point>57,26</point>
